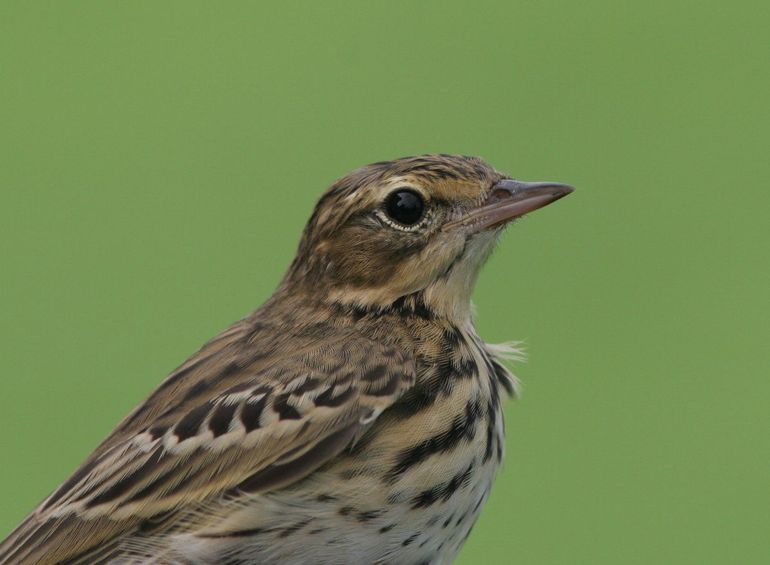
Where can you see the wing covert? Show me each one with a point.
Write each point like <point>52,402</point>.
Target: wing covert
<point>269,423</point>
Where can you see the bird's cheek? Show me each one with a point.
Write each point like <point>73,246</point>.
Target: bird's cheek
<point>421,269</point>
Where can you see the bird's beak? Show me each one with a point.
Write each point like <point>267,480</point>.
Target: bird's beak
<point>510,199</point>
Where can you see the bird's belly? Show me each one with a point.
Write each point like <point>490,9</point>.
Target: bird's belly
<point>292,527</point>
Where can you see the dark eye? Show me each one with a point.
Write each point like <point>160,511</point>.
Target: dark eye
<point>404,206</point>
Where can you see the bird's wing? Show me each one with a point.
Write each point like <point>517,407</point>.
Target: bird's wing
<point>232,419</point>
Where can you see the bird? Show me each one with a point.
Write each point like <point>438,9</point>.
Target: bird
<point>355,417</point>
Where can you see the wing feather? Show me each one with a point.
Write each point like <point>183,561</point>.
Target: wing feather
<point>258,423</point>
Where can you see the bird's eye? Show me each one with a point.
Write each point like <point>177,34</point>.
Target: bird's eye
<point>405,206</point>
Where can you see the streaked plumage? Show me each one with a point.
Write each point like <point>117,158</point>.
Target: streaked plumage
<point>353,418</point>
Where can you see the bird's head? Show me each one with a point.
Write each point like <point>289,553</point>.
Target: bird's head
<point>415,226</point>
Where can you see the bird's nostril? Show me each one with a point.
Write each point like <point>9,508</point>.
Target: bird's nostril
<point>497,195</point>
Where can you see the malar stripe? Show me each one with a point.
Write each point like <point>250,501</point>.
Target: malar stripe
<point>448,271</point>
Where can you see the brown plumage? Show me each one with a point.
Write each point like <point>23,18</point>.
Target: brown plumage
<point>355,417</point>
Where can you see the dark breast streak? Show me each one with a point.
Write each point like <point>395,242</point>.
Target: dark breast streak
<point>460,359</point>
<point>410,489</point>
<point>442,477</point>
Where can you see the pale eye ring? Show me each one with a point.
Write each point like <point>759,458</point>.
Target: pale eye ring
<point>404,206</point>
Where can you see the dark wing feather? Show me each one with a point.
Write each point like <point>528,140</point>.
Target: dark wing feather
<point>269,412</point>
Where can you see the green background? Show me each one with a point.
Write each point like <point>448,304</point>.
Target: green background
<point>159,160</point>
